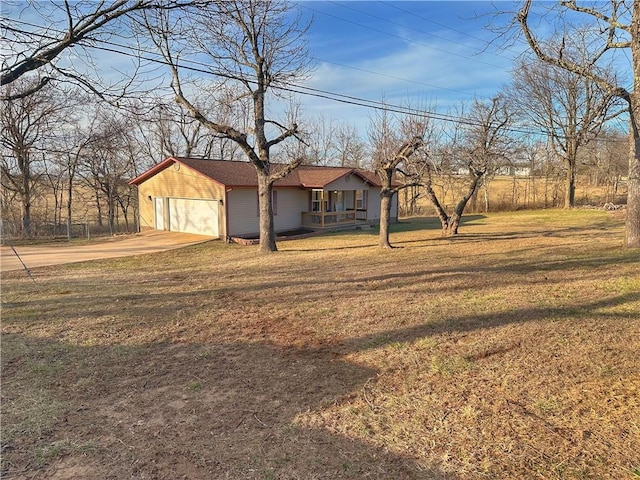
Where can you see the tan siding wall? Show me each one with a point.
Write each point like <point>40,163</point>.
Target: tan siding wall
<point>243,210</point>
<point>373,210</point>
<point>373,202</point>
<point>242,205</point>
<point>373,205</point>
<point>353,183</point>
<point>394,209</point>
<point>183,183</point>
<point>291,203</point>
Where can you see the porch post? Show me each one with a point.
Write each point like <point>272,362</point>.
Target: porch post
<point>322,207</point>
<point>355,208</point>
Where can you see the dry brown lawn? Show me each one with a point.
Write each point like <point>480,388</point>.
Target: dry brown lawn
<point>509,352</point>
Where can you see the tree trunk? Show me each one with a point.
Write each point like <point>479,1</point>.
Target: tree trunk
<point>570,186</point>
<point>385,217</point>
<point>385,174</point>
<point>111,211</point>
<point>69,207</point>
<point>450,223</point>
<point>485,189</point>
<point>265,206</point>
<point>98,207</point>
<point>450,227</point>
<point>26,217</point>
<point>632,229</point>
<point>440,211</point>
<point>26,197</point>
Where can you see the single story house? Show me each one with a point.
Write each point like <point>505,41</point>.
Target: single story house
<point>220,198</point>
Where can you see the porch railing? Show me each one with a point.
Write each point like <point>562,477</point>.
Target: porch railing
<point>329,219</point>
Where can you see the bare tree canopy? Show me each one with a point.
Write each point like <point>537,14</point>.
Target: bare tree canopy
<point>35,35</point>
<point>615,27</point>
<point>26,123</point>
<point>477,148</point>
<point>250,48</point>
<point>394,141</point>
<point>569,108</point>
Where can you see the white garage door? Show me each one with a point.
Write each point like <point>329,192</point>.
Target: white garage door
<point>193,216</point>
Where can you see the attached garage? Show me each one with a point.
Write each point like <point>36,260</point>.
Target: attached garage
<point>193,216</point>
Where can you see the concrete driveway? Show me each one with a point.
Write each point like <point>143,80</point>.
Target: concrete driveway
<point>146,242</point>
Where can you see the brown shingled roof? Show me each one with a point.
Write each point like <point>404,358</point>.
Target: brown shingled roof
<point>243,174</point>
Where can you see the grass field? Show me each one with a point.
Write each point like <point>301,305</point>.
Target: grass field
<point>511,351</point>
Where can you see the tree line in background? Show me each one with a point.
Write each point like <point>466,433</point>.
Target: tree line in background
<point>70,144</point>
<point>68,159</point>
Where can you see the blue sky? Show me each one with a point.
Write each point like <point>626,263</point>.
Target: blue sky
<point>433,52</point>
<point>428,54</point>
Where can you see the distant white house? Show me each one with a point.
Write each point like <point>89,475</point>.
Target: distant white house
<point>508,171</point>
<point>514,171</point>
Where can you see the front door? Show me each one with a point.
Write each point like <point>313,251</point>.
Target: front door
<point>159,213</point>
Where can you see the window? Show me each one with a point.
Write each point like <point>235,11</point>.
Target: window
<point>274,202</point>
<point>361,199</point>
<point>316,201</point>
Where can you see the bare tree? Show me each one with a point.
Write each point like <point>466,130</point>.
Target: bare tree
<point>72,154</point>
<point>350,148</point>
<point>569,108</point>
<point>478,146</point>
<point>616,27</point>
<point>252,47</point>
<point>320,140</point>
<point>606,163</point>
<point>31,46</point>
<point>108,162</point>
<point>169,130</point>
<point>25,122</point>
<point>392,154</point>
<point>328,142</point>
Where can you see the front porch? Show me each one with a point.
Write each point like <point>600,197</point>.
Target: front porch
<point>335,208</point>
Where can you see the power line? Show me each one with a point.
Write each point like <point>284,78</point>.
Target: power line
<point>400,37</point>
<point>393,77</point>
<point>424,19</point>
<point>321,60</point>
<point>415,15</point>
<point>295,88</point>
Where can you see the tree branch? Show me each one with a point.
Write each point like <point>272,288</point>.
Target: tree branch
<point>585,71</point>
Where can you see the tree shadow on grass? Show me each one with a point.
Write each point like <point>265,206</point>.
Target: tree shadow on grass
<point>183,411</point>
<point>210,410</point>
<point>491,320</point>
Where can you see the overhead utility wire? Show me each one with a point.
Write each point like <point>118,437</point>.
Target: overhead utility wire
<point>393,77</point>
<point>336,97</point>
<point>400,37</point>
<point>408,27</point>
<point>413,14</point>
<point>314,92</point>
<point>352,100</point>
<point>350,67</point>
